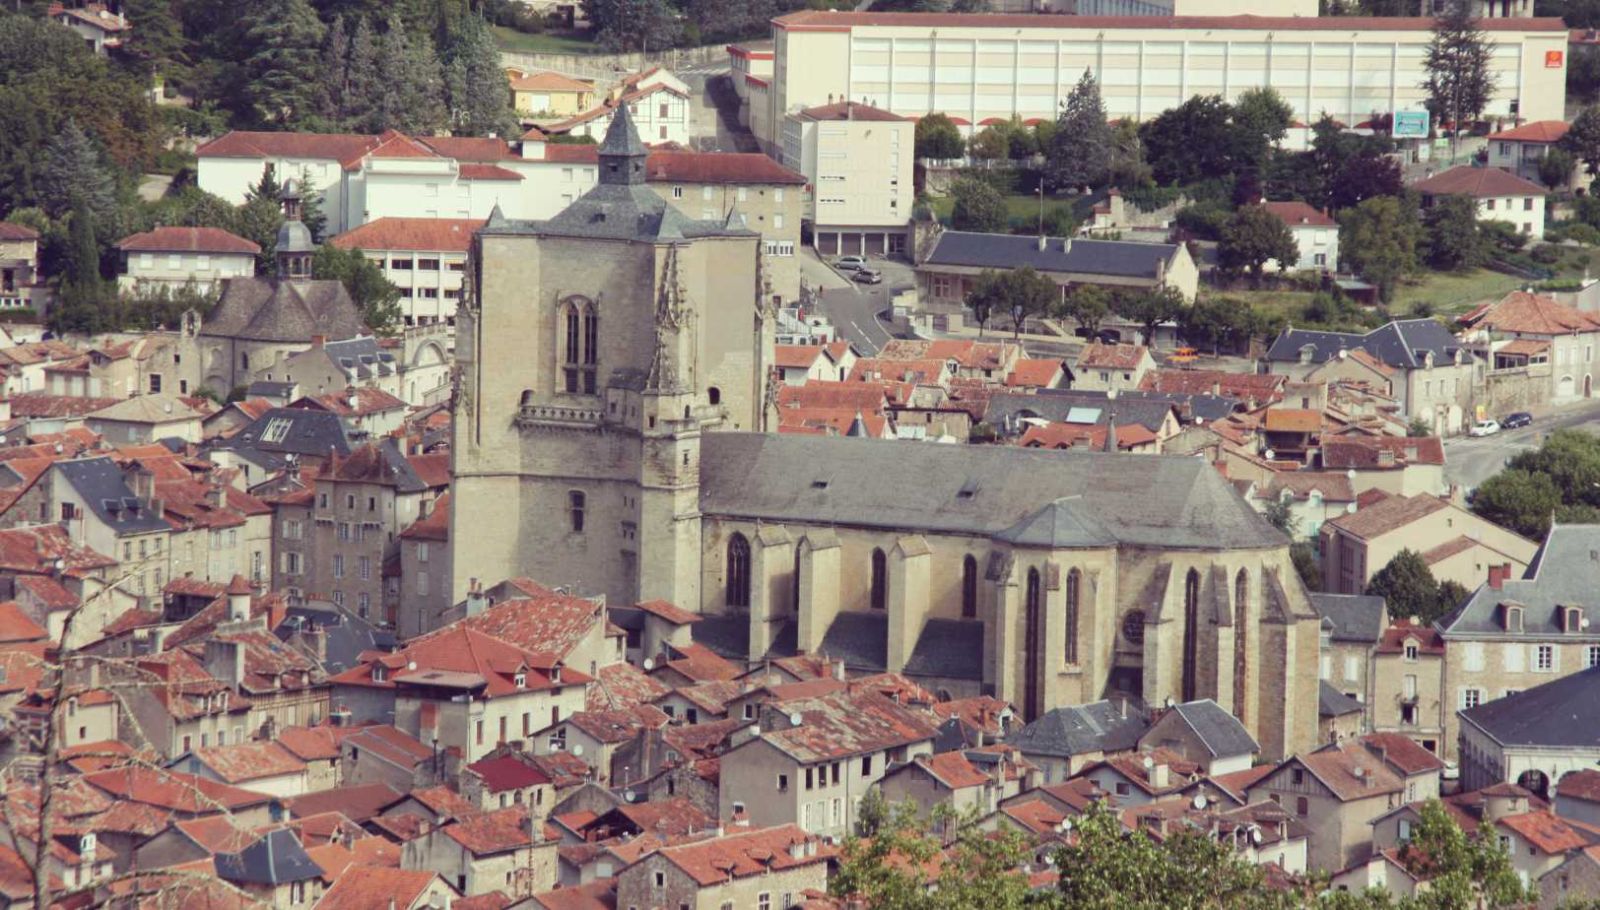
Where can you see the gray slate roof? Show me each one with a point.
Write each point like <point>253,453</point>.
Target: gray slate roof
<point>1562,712</point>
<point>1120,258</point>
<point>1006,408</point>
<point>104,490</point>
<point>275,859</point>
<point>1095,499</point>
<point>949,648</point>
<point>1399,343</point>
<point>859,639</point>
<point>1333,703</point>
<point>1102,726</point>
<point>267,309</point>
<point>1220,732</point>
<point>1565,570</point>
<point>309,433</point>
<point>344,633</point>
<point>1351,617</point>
<point>360,357</point>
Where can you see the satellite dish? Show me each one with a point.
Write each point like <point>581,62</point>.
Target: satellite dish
<point>629,796</point>
<point>1255,834</point>
<point>649,665</point>
<point>1199,801</point>
<point>795,719</point>
<point>577,749</point>
<point>1149,763</point>
<point>1271,455</point>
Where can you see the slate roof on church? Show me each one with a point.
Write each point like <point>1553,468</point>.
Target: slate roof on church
<point>267,309</point>
<point>1049,497</point>
<point>1103,726</point>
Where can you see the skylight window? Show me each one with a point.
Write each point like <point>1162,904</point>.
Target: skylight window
<point>277,429</point>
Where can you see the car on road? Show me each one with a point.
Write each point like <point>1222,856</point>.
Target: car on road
<point>867,276</point>
<point>1519,419</point>
<point>850,263</point>
<point>1484,428</point>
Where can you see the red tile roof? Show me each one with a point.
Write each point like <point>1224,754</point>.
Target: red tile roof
<point>796,356</point>
<point>848,723</point>
<point>1388,514</point>
<point>15,626</point>
<point>1293,420</point>
<point>622,684</point>
<point>600,894</point>
<point>701,664</point>
<point>969,354</point>
<point>1297,214</point>
<point>427,235</point>
<point>1582,784</point>
<point>359,802</point>
<point>487,172</point>
<point>1403,753</point>
<point>1527,313</point>
<point>549,82</point>
<point>1035,373</point>
<point>1112,356</point>
<point>188,240</point>
<point>1479,182</point>
<point>433,526</point>
<point>661,609</point>
<point>10,230</point>
<point>174,791</point>
<point>544,622</point>
<point>1362,452</point>
<point>41,404</point>
<point>240,763</point>
<point>1545,131</point>
<point>1071,435</point>
<point>1549,833</point>
<point>734,856</point>
<point>390,744</point>
<point>34,550</point>
<point>493,832</point>
<point>376,888</point>
<point>507,773</point>
<point>1035,814</point>
<point>1337,767</point>
<point>719,167</point>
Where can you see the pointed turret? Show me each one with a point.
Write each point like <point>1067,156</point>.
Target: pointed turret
<point>858,427</point>
<point>622,154</point>
<point>294,245</point>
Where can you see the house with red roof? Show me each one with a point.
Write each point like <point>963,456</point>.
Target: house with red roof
<point>1500,196</point>
<point>767,867</point>
<point>970,780</point>
<point>507,779</point>
<point>510,850</point>
<point>1545,347</point>
<point>424,257</point>
<point>545,96</point>
<point>266,767</point>
<point>1521,148</point>
<point>172,257</point>
<point>1316,236</point>
<point>657,102</point>
<point>1112,367</point>
<point>384,888</point>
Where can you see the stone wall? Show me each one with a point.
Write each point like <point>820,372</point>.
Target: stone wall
<point>608,68</point>
<point>1515,390</point>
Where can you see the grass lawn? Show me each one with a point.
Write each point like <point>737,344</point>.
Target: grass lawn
<point>1451,293</point>
<point>1021,208</point>
<point>510,39</point>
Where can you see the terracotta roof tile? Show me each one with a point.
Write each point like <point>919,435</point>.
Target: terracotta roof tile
<point>1034,373</point>
<point>600,894</point>
<point>1403,753</point>
<point>15,626</point>
<point>850,110</point>
<point>623,684</point>
<point>359,802</point>
<point>1296,214</point>
<point>375,888</point>
<point>1338,766</point>
<point>1112,356</point>
<point>736,856</point>
<point>188,240</point>
<point>796,356</point>
<point>1583,784</point>
<point>1545,131</point>
<point>1479,182</point>
<point>426,235</point>
<point>433,526</point>
<point>240,763</point>
<point>489,833</point>
<point>549,82</point>
<point>507,773</point>
<point>745,168</point>
<point>1536,314</point>
<point>1549,833</point>
<point>174,791</point>
<point>1363,452</point>
<point>1388,514</point>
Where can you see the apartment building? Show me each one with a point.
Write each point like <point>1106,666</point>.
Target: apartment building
<point>172,257</point>
<point>425,258</point>
<point>977,68</point>
<point>858,161</point>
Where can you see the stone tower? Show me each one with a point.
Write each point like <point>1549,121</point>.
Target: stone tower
<point>594,349</point>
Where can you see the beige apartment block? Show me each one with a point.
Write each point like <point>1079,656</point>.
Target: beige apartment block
<point>974,67</point>
<point>858,161</point>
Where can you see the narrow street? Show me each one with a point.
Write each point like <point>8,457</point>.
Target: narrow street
<point>1469,461</point>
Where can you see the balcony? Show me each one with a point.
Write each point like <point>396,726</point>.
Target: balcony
<point>548,415</point>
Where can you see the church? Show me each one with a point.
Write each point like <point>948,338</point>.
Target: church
<point>614,390</point>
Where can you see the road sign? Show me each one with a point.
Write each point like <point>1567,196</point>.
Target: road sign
<point>1410,124</point>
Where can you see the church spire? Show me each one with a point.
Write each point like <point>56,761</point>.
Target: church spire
<point>622,154</point>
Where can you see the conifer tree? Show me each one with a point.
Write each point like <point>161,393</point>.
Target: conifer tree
<point>410,81</point>
<point>479,95</point>
<point>1459,80</point>
<point>74,172</point>
<point>335,74</point>
<point>363,87</point>
<point>283,40</point>
<point>1080,150</point>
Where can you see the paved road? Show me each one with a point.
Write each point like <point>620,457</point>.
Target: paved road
<point>853,308</point>
<point>1469,461</point>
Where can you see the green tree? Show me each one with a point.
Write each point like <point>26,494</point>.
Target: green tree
<point>1088,305</point>
<point>1378,240</point>
<point>74,174</point>
<point>311,214</point>
<point>1280,514</point>
<point>84,298</point>
<point>1252,238</point>
<point>1344,169</point>
<point>1464,872</point>
<point>156,46</point>
<point>284,42</point>
<point>1408,585</point>
<point>359,107</point>
<point>1460,79</point>
<point>1128,166</point>
<point>378,299</point>
<point>1024,293</point>
<point>412,83</point>
<point>985,296</point>
<point>938,138</point>
<point>1190,142</point>
<point>1261,119</point>
<point>259,218</point>
<point>1583,138</point>
<point>1555,168</point>
<point>335,90</point>
<point>1149,309</point>
<point>978,206</point>
<point>1216,323</point>
<point>1583,73</point>
<point>1521,500</point>
<point>1451,233</point>
<point>633,25</point>
<point>1081,146</point>
<point>1305,565</point>
<point>989,144</point>
<point>1061,221</point>
<point>478,95</point>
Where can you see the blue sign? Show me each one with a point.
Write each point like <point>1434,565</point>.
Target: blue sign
<point>1410,124</point>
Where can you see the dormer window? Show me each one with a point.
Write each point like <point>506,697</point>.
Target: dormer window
<point>521,680</point>
<point>1572,619</point>
<point>1511,617</point>
<point>380,673</point>
<point>1411,650</point>
<point>555,673</point>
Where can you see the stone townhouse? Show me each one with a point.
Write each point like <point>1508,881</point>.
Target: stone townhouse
<point>265,767</point>
<point>509,850</point>
<point>383,888</point>
<point>968,782</point>
<point>424,568</point>
<point>1064,741</point>
<point>1433,375</point>
<point>1516,633</point>
<point>1409,695</point>
<point>101,510</point>
<point>1457,544</point>
<point>1335,792</point>
<point>1403,465</point>
<point>1051,576</point>
<point>763,868</point>
<point>501,781</point>
<point>1351,627</point>
<point>464,689</point>
<point>170,796</point>
<point>1532,738</point>
<point>595,737</point>
<point>1539,350</point>
<point>1575,878</point>
<point>814,773</point>
<point>1205,734</point>
<point>1112,367</point>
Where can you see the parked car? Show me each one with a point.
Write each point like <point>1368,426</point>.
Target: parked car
<point>868,276</point>
<point>1484,428</point>
<point>1519,419</point>
<point>850,263</point>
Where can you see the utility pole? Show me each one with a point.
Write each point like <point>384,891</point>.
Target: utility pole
<point>1041,207</point>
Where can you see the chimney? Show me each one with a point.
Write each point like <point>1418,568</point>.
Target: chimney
<point>225,660</point>
<point>476,602</point>
<point>317,341</point>
<point>838,670</point>
<point>1498,575</point>
<point>238,599</point>
<point>1160,779</point>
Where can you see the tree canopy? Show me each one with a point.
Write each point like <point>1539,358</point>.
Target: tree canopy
<point>1560,480</point>
<point>1378,240</point>
<point>1252,238</point>
<point>1081,147</point>
<point>978,206</point>
<point>378,299</point>
<point>1408,585</point>
<point>938,137</point>
<point>1460,80</point>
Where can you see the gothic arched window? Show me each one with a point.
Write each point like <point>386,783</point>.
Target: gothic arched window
<point>1241,659</point>
<point>880,580</point>
<point>580,349</point>
<point>738,571</point>
<point>969,587</point>
<point>1074,587</point>
<point>1191,635</point>
<point>1033,603</point>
